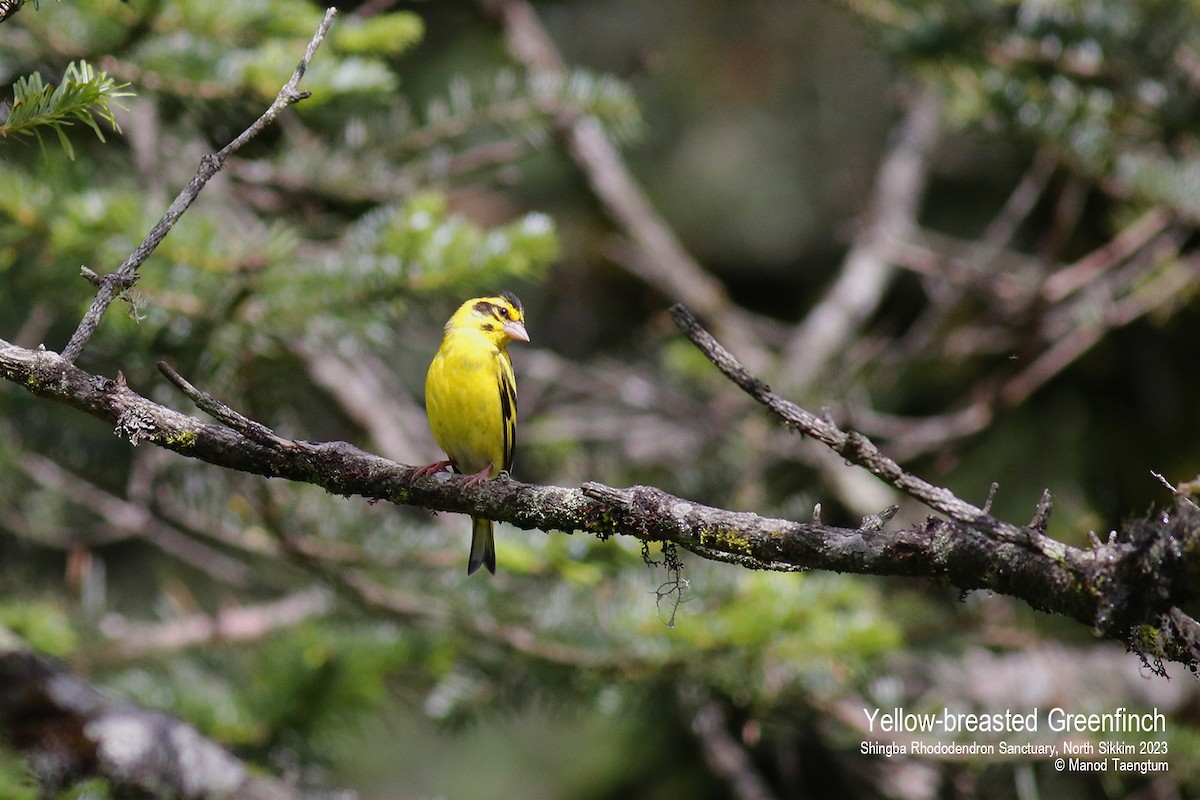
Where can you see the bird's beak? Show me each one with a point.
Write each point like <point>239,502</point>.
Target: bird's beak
<point>516,330</point>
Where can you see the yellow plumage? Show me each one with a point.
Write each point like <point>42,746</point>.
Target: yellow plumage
<point>471,400</point>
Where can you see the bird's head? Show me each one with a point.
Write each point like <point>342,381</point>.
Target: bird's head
<point>500,317</point>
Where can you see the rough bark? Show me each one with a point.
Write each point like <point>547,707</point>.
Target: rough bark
<point>1129,588</point>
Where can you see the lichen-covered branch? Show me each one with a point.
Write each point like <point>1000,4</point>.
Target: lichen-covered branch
<point>1133,584</point>
<point>1128,588</point>
<point>856,448</point>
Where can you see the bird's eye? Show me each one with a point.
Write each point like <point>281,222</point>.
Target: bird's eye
<point>502,312</point>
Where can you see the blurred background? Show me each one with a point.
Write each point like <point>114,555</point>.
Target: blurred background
<point>967,229</point>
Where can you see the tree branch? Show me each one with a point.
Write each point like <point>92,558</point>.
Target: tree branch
<point>1128,588</point>
<point>124,519</point>
<point>232,624</point>
<point>1146,560</point>
<point>111,286</point>
<point>854,447</point>
<point>867,269</point>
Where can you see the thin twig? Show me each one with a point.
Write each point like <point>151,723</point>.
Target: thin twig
<point>1122,246</point>
<point>356,378</point>
<point>1146,292</point>
<point>909,437</point>
<point>1021,201</point>
<point>1135,274</point>
<point>249,428</point>
<point>114,284</point>
<point>854,447</point>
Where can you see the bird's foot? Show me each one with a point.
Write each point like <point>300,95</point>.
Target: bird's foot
<point>430,469</point>
<point>477,477</point>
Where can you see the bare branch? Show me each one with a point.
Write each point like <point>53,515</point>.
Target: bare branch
<point>234,624</point>
<point>114,284</point>
<point>1121,247</point>
<point>255,431</point>
<point>1137,273</point>
<point>866,270</point>
<point>1147,289</point>
<point>1021,201</point>
<point>129,520</point>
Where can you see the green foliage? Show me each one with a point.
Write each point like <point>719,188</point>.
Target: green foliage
<point>95,789</point>
<point>1103,81</point>
<point>310,682</point>
<point>83,95</point>
<point>15,781</point>
<point>45,625</point>
<point>1172,180</point>
<point>383,34</point>
<point>765,633</point>
<point>522,106</point>
<point>416,246</point>
<point>296,689</point>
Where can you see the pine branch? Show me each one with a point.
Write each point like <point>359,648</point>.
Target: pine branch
<point>83,95</point>
<point>515,103</point>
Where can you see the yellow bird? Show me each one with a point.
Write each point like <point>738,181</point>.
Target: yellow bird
<point>471,400</point>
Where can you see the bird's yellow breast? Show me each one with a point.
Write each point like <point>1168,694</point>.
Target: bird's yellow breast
<point>465,399</point>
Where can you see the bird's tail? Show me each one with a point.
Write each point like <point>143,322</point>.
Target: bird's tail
<point>483,546</point>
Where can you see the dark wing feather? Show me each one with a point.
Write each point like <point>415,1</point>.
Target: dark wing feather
<point>508,408</point>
